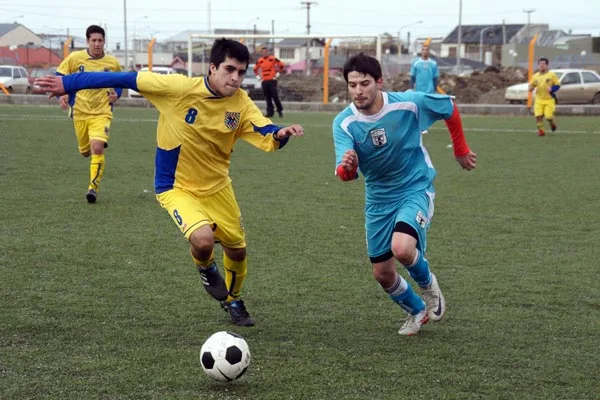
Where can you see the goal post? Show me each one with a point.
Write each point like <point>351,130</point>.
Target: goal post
<point>200,43</point>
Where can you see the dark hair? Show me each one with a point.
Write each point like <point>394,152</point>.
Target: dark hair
<point>223,48</point>
<point>364,64</point>
<point>544,59</point>
<point>94,29</point>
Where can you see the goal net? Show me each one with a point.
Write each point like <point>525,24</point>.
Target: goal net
<point>313,63</point>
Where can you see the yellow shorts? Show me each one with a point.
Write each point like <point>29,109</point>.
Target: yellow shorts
<point>219,210</point>
<point>544,108</point>
<point>88,129</point>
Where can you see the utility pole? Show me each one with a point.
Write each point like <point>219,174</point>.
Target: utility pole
<point>308,4</point>
<point>459,37</point>
<point>273,36</point>
<point>254,41</point>
<point>209,18</point>
<point>529,11</point>
<point>126,63</point>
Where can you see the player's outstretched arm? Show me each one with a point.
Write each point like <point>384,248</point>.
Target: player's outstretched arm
<point>463,154</point>
<point>346,169</point>
<point>59,85</point>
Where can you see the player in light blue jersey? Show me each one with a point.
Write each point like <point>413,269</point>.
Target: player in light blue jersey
<point>424,74</point>
<point>380,134</point>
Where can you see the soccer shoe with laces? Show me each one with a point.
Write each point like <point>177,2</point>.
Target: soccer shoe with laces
<point>412,324</point>
<point>237,311</point>
<point>553,127</point>
<point>541,132</point>
<point>213,282</point>
<point>436,305</point>
<point>91,196</point>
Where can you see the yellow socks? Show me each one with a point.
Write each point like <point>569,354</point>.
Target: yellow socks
<point>540,124</point>
<point>235,274</point>
<point>96,171</point>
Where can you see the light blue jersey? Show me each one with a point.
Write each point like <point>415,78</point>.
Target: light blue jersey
<point>391,155</point>
<point>424,72</point>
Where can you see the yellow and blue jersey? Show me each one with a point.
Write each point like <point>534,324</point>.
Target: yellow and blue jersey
<point>389,144</point>
<point>197,129</point>
<point>90,103</point>
<point>543,84</point>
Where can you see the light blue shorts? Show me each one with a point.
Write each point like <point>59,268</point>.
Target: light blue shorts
<point>416,209</point>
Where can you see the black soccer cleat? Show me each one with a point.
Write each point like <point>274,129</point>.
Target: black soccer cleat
<point>213,282</point>
<point>237,311</point>
<point>91,196</point>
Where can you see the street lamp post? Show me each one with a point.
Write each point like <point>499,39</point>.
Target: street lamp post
<point>481,42</point>
<point>406,26</point>
<point>253,20</point>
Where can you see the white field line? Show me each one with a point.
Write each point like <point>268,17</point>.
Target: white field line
<point>60,118</point>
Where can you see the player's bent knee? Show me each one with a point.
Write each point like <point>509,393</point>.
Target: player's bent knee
<point>235,254</point>
<point>97,146</point>
<point>202,240</point>
<point>404,252</point>
<point>404,255</point>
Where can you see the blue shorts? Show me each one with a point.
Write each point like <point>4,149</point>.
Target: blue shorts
<point>416,209</point>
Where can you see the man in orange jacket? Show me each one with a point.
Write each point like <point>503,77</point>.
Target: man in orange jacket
<point>270,67</point>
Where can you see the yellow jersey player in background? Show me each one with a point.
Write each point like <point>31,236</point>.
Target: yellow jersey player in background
<point>200,121</point>
<point>546,84</point>
<point>91,110</point>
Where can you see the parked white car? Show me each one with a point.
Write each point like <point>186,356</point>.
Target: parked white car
<point>158,70</point>
<point>251,82</point>
<point>15,79</point>
<point>577,86</point>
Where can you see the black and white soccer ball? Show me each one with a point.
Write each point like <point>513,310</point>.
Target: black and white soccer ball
<point>225,356</point>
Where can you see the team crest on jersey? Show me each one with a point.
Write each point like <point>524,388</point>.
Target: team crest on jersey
<point>232,120</point>
<point>378,137</point>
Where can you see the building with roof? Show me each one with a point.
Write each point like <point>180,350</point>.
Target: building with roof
<point>17,34</point>
<point>291,51</point>
<point>30,56</point>
<point>476,40</point>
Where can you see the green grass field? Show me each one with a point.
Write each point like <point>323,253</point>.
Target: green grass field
<point>102,301</point>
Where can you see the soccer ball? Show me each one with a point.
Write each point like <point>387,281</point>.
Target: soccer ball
<point>225,356</point>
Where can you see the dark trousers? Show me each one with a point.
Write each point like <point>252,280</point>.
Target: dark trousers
<point>270,91</point>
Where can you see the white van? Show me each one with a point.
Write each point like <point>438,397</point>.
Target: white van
<point>157,70</point>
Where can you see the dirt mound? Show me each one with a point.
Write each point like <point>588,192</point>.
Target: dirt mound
<point>485,87</point>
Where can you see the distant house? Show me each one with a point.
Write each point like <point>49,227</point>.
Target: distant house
<point>336,65</point>
<point>29,57</point>
<point>291,51</point>
<point>488,38</point>
<point>17,35</point>
<point>54,42</point>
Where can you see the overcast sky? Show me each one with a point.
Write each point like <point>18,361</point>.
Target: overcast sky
<point>162,18</point>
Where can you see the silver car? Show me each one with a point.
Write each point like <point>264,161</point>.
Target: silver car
<point>15,79</point>
<point>577,86</point>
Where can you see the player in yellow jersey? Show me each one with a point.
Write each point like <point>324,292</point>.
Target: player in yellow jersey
<point>546,84</point>
<point>200,121</point>
<point>91,109</point>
